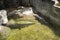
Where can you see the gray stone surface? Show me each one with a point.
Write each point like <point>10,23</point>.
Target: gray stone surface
<point>51,13</point>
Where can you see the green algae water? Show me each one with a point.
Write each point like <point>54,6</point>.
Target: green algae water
<point>34,31</point>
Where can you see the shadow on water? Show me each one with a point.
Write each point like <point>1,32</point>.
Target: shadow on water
<point>18,26</point>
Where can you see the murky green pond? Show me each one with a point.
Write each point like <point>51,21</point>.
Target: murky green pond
<point>27,29</point>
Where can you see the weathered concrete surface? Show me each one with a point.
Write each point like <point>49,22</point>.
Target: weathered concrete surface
<point>51,14</point>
